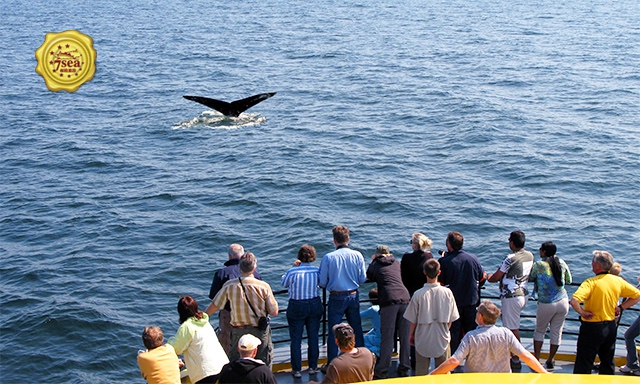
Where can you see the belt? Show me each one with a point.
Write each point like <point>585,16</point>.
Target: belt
<point>243,326</point>
<point>343,292</point>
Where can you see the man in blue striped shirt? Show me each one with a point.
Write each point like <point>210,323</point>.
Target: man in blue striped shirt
<point>304,309</point>
<point>341,273</point>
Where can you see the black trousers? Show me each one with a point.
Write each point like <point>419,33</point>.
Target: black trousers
<point>596,339</point>
<point>466,323</point>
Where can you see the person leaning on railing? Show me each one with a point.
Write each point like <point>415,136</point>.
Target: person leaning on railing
<point>550,276</point>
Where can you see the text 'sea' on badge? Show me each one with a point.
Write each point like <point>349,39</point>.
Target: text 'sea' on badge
<point>66,60</point>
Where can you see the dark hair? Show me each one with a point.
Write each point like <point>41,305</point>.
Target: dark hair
<point>431,268</point>
<point>188,307</point>
<point>455,240</point>
<point>549,249</point>
<point>307,253</point>
<point>341,234</point>
<point>248,263</point>
<point>517,238</point>
<point>373,296</point>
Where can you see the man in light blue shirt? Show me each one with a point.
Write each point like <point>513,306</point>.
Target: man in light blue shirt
<point>341,273</point>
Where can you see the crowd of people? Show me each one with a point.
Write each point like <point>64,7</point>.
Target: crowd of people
<point>429,308</point>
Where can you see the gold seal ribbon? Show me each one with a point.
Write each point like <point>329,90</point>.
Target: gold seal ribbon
<point>66,60</point>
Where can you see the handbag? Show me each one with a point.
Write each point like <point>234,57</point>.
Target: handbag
<point>263,321</point>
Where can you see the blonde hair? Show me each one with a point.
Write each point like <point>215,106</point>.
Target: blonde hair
<point>616,269</point>
<point>422,240</point>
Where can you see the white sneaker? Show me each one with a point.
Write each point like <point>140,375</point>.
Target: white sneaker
<point>625,369</point>
<point>296,374</point>
<point>313,371</point>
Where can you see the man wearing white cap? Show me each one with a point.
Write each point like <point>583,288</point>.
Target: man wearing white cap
<point>247,369</point>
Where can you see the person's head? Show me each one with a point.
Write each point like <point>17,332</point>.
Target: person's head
<point>489,312</point>
<point>248,345</point>
<point>602,261</point>
<point>152,337</point>
<point>373,296</point>
<point>307,253</point>
<point>616,269</point>
<point>420,242</point>
<point>381,251</point>
<point>455,240</point>
<point>340,234</point>
<point>548,249</point>
<point>432,268</point>
<point>235,251</point>
<point>516,238</point>
<point>188,307</point>
<point>345,337</point>
<point>248,263</point>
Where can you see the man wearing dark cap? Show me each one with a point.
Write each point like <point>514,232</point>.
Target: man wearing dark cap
<point>353,365</point>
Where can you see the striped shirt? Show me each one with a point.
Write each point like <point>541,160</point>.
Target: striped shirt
<point>258,293</point>
<point>302,281</point>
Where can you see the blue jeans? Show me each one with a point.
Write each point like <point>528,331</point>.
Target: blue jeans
<point>629,339</point>
<point>343,304</point>
<point>301,314</point>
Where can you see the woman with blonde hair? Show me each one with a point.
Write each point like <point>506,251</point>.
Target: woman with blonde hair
<point>412,270</point>
<point>412,264</point>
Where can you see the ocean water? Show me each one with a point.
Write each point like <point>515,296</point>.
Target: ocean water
<point>390,117</point>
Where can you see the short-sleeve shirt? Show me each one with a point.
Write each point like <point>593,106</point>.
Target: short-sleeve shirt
<point>351,367</point>
<point>488,348</point>
<point>600,295</point>
<point>516,268</point>
<point>432,308</point>
<point>258,292</point>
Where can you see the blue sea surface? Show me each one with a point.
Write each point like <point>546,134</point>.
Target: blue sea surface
<point>391,117</point>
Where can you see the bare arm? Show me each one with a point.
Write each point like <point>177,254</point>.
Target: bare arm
<point>495,277</point>
<point>211,309</point>
<point>446,367</point>
<point>532,362</point>
<point>630,303</point>
<point>412,334</point>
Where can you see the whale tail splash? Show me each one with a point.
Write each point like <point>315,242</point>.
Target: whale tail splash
<point>233,109</point>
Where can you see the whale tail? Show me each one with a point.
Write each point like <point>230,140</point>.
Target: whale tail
<point>233,109</point>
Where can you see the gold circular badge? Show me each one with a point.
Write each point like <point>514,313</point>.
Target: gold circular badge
<point>66,60</point>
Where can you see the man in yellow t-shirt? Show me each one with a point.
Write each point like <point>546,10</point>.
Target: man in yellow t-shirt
<point>600,295</point>
<point>159,364</point>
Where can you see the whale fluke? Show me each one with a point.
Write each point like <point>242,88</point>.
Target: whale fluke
<point>233,109</point>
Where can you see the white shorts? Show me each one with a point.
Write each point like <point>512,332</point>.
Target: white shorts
<point>511,309</point>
